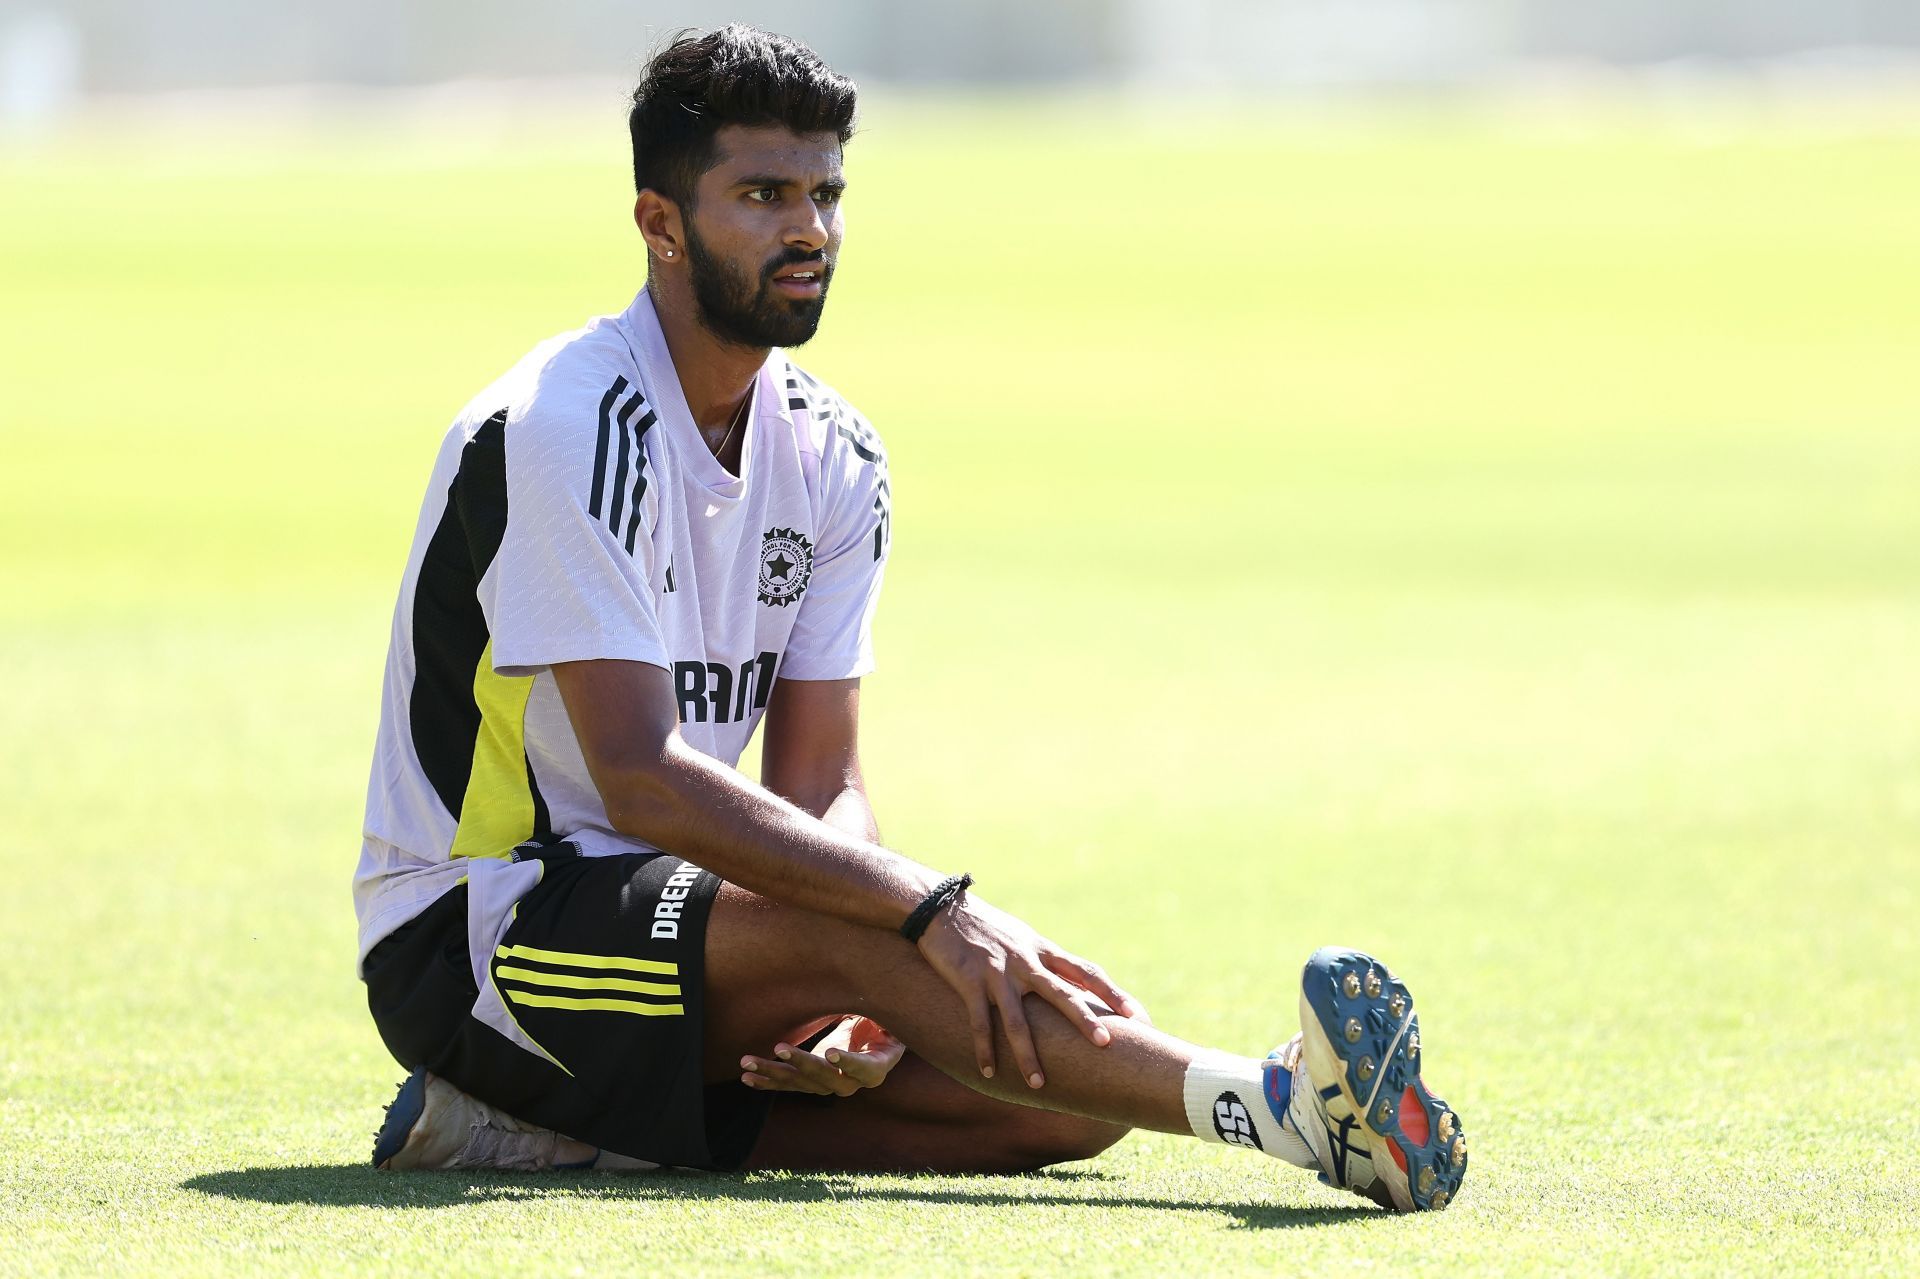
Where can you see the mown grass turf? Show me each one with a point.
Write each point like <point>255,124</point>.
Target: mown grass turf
<point>1497,549</point>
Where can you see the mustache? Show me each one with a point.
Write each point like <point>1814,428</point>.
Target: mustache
<point>797,257</point>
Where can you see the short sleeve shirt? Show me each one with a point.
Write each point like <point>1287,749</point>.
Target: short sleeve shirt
<point>574,513</point>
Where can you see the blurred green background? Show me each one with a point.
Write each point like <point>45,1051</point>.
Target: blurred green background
<point>1492,544</point>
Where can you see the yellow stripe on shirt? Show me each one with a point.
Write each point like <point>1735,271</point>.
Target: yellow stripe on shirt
<point>496,816</point>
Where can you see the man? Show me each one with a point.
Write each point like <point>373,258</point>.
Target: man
<point>581,929</point>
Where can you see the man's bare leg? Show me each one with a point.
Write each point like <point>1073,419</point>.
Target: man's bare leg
<point>922,1120</point>
<point>1344,1098</point>
<point>770,968</point>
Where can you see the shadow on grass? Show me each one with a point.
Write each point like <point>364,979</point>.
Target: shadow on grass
<point>357,1185</point>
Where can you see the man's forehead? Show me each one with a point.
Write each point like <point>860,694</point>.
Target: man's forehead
<point>765,149</point>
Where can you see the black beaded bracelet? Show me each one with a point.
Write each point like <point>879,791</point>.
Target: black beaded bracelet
<point>943,895</point>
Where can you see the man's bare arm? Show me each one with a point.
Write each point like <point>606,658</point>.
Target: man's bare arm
<point>810,752</point>
<point>658,788</point>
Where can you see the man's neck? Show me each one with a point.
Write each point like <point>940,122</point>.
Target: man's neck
<point>715,376</point>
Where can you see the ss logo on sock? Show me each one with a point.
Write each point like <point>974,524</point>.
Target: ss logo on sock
<point>1231,1121</point>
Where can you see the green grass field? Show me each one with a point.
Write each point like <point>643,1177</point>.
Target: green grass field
<point>1496,548</point>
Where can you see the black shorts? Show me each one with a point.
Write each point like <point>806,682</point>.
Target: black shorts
<point>586,980</point>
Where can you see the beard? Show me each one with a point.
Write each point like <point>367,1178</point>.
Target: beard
<point>744,311</point>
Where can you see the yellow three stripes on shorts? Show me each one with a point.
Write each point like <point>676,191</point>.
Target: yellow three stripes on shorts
<point>647,996</point>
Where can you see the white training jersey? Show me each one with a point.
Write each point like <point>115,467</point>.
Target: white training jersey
<point>576,513</point>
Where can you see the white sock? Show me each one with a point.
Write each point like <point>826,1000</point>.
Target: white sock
<point>1226,1100</point>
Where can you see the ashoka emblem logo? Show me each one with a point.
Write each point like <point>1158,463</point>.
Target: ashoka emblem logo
<point>786,562</point>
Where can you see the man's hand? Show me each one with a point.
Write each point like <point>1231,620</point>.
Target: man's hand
<point>992,959</point>
<point>858,1053</point>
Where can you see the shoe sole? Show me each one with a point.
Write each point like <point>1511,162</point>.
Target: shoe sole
<point>404,1112</point>
<point>1354,1039</point>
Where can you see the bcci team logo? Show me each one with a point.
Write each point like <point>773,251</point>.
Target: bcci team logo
<point>786,562</point>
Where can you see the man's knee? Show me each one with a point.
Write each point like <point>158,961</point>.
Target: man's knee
<point>762,945</point>
<point>771,967</point>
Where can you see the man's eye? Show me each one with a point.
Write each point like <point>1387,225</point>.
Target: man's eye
<point>764,195</point>
<point>827,197</point>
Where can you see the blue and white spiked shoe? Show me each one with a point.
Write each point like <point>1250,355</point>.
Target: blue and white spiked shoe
<point>1362,1106</point>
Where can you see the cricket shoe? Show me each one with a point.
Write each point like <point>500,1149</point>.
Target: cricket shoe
<point>1357,1097</point>
<point>433,1125</point>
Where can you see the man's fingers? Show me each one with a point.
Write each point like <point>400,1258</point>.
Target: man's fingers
<point>855,1067</point>
<point>1071,1002</point>
<point>1091,976</point>
<point>775,1076</point>
<point>837,1073</point>
<point>980,1022</point>
<point>868,1069</point>
<point>817,1069</point>
<point>1013,1016</point>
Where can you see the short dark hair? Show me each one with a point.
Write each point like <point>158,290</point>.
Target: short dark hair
<point>736,75</point>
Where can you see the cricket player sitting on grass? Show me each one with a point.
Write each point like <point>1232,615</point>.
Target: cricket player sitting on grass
<point>596,944</point>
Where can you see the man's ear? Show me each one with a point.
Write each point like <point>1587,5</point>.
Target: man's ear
<point>660,225</point>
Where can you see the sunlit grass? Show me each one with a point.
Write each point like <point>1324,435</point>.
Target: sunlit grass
<point>1497,550</point>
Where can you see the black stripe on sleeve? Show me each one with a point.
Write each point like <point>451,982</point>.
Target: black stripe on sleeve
<point>640,430</point>
<point>858,446</point>
<point>620,463</point>
<point>600,448</point>
<point>835,410</point>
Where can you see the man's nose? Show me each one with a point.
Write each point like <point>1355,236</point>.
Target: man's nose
<point>810,233</point>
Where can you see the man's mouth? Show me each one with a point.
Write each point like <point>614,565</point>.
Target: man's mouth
<point>800,281</point>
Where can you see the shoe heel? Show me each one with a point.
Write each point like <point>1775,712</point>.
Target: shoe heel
<point>402,1114</point>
